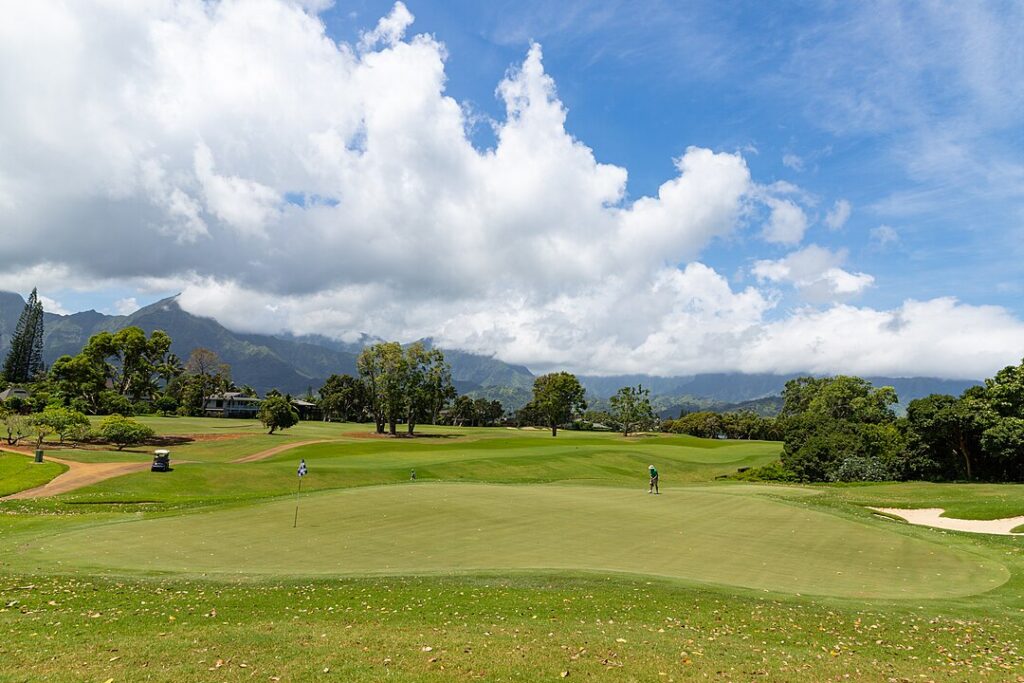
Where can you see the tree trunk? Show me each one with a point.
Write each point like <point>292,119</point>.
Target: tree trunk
<point>966,455</point>
<point>554,430</point>
<point>391,428</point>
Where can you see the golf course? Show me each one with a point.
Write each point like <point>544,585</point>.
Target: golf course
<point>511,555</point>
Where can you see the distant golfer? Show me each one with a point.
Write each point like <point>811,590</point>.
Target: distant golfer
<point>654,479</point>
<point>412,475</point>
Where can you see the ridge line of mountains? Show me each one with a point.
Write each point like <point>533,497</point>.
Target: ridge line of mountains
<point>295,364</point>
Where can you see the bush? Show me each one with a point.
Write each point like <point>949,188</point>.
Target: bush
<point>861,468</point>
<point>166,404</point>
<point>62,421</point>
<point>775,471</point>
<point>113,403</point>
<point>122,431</point>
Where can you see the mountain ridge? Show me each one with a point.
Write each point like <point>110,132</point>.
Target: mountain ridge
<point>297,363</point>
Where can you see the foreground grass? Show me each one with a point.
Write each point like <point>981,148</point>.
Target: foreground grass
<point>528,628</point>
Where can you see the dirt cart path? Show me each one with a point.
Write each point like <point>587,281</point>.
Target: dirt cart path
<point>79,474</point>
<point>271,452</point>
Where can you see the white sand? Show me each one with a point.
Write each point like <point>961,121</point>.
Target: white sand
<point>932,517</point>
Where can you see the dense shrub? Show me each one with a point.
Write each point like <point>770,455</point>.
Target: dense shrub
<point>122,431</point>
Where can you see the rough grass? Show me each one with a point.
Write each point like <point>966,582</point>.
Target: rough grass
<point>518,628</point>
<point>19,472</point>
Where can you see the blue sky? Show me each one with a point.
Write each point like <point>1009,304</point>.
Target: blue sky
<point>799,175</point>
<point>850,94</point>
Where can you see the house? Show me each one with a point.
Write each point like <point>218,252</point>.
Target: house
<point>15,392</point>
<point>306,410</point>
<point>231,404</point>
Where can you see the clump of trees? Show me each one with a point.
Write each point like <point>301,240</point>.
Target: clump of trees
<point>840,429</point>
<point>469,412</point>
<point>978,436</point>
<point>344,398</point>
<point>844,429</point>
<point>744,424</point>
<point>404,384</point>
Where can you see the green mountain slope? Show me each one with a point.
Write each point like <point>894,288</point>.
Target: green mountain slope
<point>297,363</point>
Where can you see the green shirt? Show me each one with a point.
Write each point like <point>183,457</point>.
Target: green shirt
<point>653,472</point>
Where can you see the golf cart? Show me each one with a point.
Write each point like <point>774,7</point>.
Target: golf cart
<point>161,461</point>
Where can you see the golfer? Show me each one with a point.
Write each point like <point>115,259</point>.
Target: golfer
<point>654,479</point>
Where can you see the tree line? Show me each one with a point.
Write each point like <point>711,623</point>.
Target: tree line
<point>844,429</point>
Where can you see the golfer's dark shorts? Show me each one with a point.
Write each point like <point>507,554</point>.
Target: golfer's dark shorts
<point>654,481</point>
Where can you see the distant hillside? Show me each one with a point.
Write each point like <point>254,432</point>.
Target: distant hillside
<point>297,363</point>
<point>289,363</point>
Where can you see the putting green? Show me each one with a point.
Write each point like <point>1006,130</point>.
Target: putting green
<point>693,534</point>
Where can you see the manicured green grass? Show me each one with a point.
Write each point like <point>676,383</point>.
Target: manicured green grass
<point>694,534</point>
<point>19,472</point>
<point>514,556</point>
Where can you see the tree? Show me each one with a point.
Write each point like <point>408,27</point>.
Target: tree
<point>426,384</point>
<point>558,397</point>
<point>204,375</point>
<point>24,362</point>
<point>344,398</point>
<point>17,427</point>
<point>631,409</point>
<point>703,424</point>
<point>487,412</point>
<point>123,431</point>
<point>276,413</point>
<point>166,404</point>
<point>1003,444</point>
<point>462,412</point>
<point>79,379</point>
<point>436,388</point>
<point>61,421</point>
<point>945,434</point>
<point>381,367</point>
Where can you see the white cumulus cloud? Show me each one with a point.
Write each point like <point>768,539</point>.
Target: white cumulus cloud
<point>815,271</point>
<point>837,216</point>
<point>285,181</point>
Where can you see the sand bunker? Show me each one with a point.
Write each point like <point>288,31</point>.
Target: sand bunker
<point>933,517</point>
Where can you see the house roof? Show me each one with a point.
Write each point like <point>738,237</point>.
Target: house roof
<point>232,396</point>
<point>14,391</point>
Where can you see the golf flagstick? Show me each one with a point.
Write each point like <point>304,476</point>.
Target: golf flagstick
<point>302,473</point>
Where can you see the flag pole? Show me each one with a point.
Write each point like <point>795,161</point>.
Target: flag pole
<point>301,473</point>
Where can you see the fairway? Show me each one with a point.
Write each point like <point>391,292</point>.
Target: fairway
<point>698,534</point>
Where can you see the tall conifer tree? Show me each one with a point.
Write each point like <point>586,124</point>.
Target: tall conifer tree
<point>24,361</point>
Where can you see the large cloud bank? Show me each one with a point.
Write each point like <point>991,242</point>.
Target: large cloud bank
<point>288,182</point>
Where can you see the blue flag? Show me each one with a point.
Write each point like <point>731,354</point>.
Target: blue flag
<point>302,468</point>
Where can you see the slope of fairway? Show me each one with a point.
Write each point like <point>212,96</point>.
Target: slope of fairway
<point>694,534</point>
